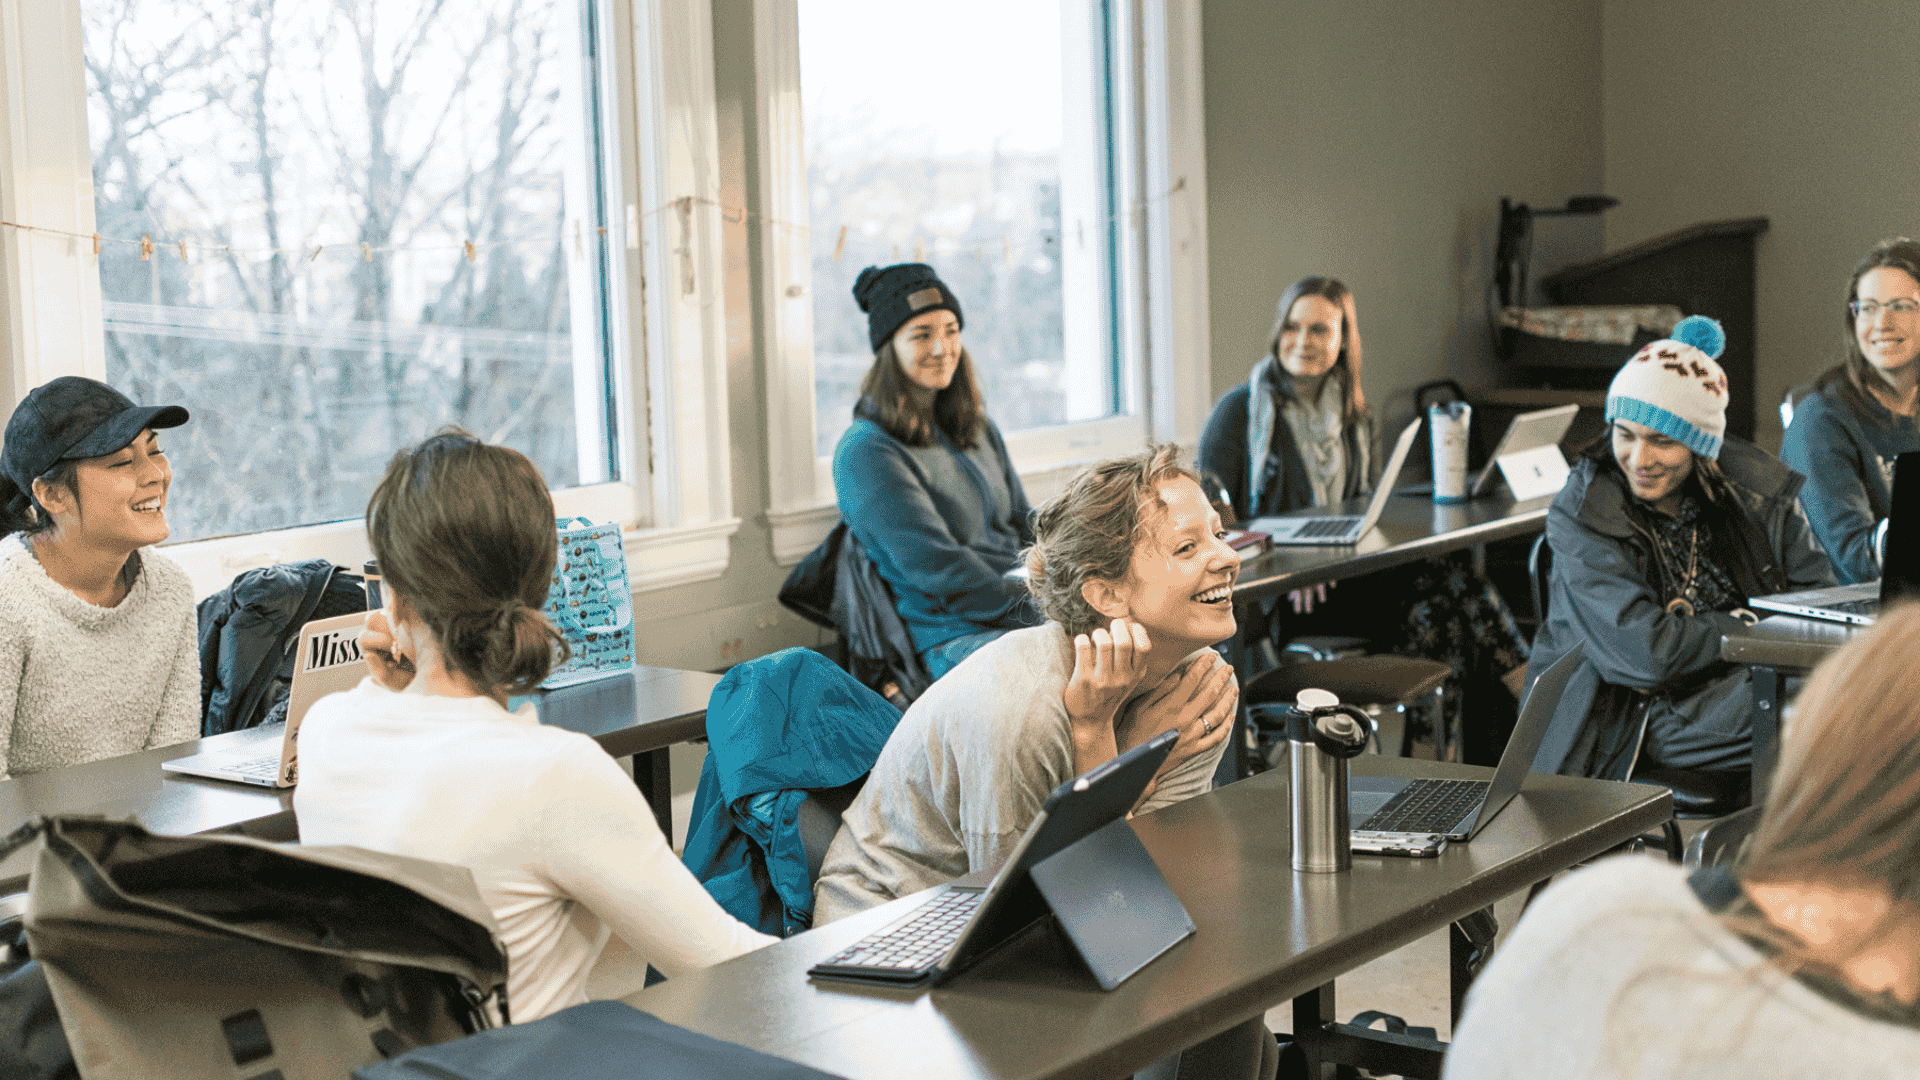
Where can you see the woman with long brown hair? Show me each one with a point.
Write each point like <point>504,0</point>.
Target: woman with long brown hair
<point>424,759</point>
<point>1802,960</point>
<point>1859,416</point>
<point>922,477</point>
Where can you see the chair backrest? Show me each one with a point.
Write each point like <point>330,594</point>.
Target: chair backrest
<point>1539,575</point>
<point>1722,841</point>
<point>1791,399</point>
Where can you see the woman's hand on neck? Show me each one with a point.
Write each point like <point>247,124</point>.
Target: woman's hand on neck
<point>92,573</point>
<point>433,675</point>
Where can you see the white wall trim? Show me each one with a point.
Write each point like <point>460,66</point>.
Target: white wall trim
<point>796,532</point>
<point>1175,167</point>
<point>681,266</point>
<point>660,558</point>
<point>786,272</point>
<point>51,284</point>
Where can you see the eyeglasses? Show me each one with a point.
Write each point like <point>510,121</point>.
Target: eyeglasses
<point>1867,309</point>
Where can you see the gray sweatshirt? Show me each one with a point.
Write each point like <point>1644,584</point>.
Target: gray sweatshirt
<point>78,682</point>
<point>965,773</point>
<point>1618,971</point>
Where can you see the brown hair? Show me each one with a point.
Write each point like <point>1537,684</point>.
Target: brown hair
<point>465,533</point>
<point>23,513</point>
<point>1347,365</point>
<point>887,400</point>
<point>1852,376</point>
<point>1845,803</point>
<point>1088,531</point>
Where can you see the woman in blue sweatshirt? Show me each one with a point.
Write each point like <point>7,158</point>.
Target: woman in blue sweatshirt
<point>923,478</point>
<point>1846,433</point>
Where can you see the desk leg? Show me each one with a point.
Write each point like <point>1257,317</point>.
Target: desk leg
<point>651,774</point>
<point>1769,686</point>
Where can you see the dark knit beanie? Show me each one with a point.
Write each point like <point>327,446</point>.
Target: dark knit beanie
<point>897,293</point>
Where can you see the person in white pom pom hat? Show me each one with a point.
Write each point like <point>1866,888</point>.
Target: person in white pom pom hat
<point>1665,529</point>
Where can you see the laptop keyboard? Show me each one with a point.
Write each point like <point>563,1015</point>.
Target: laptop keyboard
<point>263,769</point>
<point>916,943</point>
<point>1855,607</point>
<point>1427,806</point>
<point>1327,526</point>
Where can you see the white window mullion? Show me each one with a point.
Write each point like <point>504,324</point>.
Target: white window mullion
<point>50,283</point>
<point>1174,133</point>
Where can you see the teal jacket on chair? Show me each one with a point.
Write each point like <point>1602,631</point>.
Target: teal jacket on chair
<point>777,727</point>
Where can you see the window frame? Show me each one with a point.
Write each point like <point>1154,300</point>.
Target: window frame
<point>660,138</point>
<point>1160,266</point>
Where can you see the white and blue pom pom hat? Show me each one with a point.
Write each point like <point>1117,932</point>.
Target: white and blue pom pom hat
<point>1675,387</point>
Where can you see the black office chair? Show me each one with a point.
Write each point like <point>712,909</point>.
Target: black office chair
<point>1697,794</point>
<point>1722,842</point>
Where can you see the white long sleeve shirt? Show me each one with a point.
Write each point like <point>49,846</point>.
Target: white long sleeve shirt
<point>561,844</point>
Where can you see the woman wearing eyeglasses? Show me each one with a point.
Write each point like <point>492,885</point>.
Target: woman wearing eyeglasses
<point>1859,416</point>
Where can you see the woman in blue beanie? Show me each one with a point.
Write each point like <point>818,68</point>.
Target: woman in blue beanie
<point>922,477</point>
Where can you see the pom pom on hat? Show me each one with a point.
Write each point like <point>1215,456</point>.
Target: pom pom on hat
<point>1676,389</point>
<point>1702,333</point>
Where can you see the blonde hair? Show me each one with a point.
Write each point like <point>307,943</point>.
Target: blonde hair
<point>1088,531</point>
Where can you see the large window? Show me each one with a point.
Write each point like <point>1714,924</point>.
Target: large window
<point>332,226</point>
<point>972,137</point>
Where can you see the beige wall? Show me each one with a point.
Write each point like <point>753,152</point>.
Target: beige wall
<point>1805,114</point>
<point>1372,141</point>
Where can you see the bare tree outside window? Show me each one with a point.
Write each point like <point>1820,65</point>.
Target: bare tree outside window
<point>938,134</point>
<point>366,223</point>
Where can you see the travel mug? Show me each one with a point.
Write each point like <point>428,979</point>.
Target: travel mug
<point>1448,426</point>
<point>370,571</point>
<point>1324,734</point>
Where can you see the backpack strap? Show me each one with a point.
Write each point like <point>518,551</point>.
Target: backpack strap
<point>262,676</point>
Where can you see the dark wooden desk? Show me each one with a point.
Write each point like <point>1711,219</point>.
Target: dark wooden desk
<point>1775,648</point>
<point>641,715</point>
<point>1411,527</point>
<point>1265,934</point>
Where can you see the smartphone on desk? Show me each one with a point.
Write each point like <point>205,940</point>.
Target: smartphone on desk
<point>1246,540</point>
<point>1403,845</point>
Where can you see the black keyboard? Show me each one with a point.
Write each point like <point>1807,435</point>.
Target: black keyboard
<point>1855,607</point>
<point>912,946</point>
<point>1329,526</point>
<point>1427,806</point>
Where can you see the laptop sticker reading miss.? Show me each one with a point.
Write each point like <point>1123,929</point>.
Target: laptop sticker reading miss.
<point>327,660</point>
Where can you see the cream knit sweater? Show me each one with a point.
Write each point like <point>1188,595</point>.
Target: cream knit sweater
<point>79,683</point>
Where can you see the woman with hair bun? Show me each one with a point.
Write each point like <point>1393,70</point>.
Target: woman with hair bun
<point>424,759</point>
<point>1859,416</point>
<point>923,478</point>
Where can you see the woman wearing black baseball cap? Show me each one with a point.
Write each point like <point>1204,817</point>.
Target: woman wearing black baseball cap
<point>923,478</point>
<point>98,654</point>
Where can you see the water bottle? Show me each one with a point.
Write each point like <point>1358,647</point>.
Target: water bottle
<point>1324,734</point>
<point>370,572</point>
<point>1447,425</point>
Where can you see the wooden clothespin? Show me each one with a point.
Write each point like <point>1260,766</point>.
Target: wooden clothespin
<point>840,245</point>
<point>469,251</point>
<point>146,248</point>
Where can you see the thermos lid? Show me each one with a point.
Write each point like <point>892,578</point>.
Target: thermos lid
<point>370,568</point>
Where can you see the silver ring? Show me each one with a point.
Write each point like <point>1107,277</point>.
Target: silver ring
<point>1205,726</point>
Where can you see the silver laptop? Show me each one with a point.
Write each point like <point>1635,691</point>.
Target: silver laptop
<point>1544,427</point>
<point>329,660</point>
<point>1343,528</point>
<point>1402,815</point>
<point>1857,604</point>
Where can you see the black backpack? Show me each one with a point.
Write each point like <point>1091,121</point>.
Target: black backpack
<point>247,635</point>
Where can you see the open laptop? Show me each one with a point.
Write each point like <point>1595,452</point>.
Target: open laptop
<point>960,924</point>
<point>1343,528</point>
<point>1527,431</point>
<point>1416,816</point>
<point>328,661</point>
<point>1859,603</point>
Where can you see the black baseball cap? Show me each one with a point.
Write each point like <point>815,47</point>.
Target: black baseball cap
<point>75,417</point>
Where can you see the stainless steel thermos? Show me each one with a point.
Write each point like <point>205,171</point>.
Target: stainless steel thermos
<point>1324,734</point>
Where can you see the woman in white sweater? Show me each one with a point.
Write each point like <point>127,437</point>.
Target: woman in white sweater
<point>1802,960</point>
<point>98,654</point>
<point>424,759</point>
